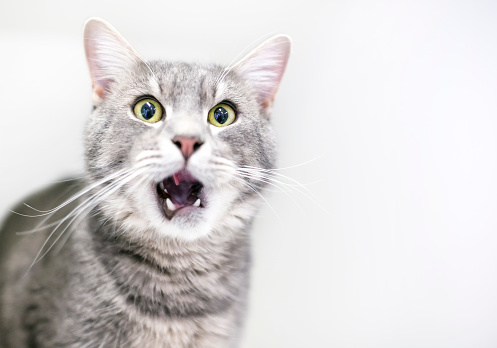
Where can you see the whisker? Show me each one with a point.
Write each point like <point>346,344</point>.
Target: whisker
<point>97,197</point>
<point>38,228</point>
<point>70,179</point>
<point>269,182</point>
<point>260,195</point>
<point>148,154</point>
<point>77,195</point>
<point>49,213</point>
<point>140,164</point>
<point>297,186</point>
<point>90,204</point>
<point>292,166</point>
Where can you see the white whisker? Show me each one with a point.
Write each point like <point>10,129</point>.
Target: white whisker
<point>257,192</point>
<point>269,174</point>
<point>89,203</point>
<point>77,195</point>
<point>269,182</point>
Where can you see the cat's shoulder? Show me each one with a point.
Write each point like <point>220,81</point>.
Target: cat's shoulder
<point>35,210</point>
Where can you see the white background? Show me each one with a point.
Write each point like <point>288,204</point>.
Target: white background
<point>395,101</point>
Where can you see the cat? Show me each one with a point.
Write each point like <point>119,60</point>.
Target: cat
<point>152,247</point>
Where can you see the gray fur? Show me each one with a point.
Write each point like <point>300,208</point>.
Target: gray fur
<point>126,276</point>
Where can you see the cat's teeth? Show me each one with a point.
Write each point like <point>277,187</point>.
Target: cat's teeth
<point>197,203</point>
<point>161,185</point>
<point>170,205</point>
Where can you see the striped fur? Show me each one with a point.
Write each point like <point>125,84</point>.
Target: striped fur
<point>106,268</point>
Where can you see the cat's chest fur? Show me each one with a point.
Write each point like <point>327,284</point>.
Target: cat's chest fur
<point>182,300</point>
<point>112,294</point>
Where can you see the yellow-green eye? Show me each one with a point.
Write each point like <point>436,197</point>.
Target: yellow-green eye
<point>148,110</point>
<point>222,115</point>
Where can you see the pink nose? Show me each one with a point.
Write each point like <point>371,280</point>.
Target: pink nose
<point>187,145</point>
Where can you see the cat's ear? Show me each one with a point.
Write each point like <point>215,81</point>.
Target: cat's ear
<point>264,68</point>
<point>107,54</point>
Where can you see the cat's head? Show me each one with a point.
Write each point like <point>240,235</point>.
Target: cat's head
<point>174,147</point>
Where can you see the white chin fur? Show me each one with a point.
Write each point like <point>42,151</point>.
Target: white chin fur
<point>200,223</point>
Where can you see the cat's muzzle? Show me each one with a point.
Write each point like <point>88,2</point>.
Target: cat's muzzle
<point>180,194</point>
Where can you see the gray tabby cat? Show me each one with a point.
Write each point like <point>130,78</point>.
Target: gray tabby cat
<point>151,249</point>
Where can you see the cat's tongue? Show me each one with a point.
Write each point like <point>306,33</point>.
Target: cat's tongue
<point>183,175</point>
<point>182,189</point>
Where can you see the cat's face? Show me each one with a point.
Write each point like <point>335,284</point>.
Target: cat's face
<point>177,140</point>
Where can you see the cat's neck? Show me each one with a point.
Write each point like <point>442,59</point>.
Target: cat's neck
<point>179,279</point>
<point>168,251</point>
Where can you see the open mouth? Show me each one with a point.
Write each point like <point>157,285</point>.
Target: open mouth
<point>180,194</point>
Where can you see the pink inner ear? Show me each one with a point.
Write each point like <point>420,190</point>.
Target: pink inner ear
<point>96,72</point>
<point>107,54</point>
<point>264,67</point>
<point>99,84</point>
<point>98,90</point>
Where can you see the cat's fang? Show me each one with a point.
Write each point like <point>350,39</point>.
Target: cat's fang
<point>197,203</point>
<point>170,205</point>
<point>161,185</point>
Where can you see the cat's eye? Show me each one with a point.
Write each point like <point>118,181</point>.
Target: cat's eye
<point>222,115</point>
<point>148,110</point>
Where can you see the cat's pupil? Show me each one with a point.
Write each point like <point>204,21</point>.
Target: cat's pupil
<point>148,110</point>
<point>221,115</point>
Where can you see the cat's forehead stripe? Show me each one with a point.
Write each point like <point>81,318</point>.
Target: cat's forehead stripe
<point>185,86</point>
